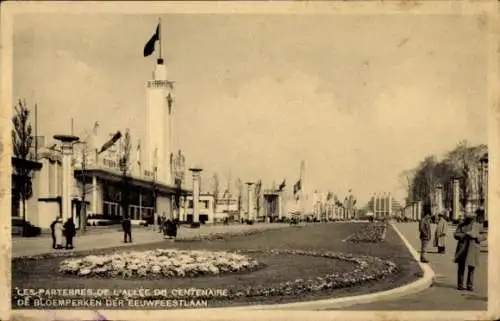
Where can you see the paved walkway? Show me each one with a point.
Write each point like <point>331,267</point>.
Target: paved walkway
<point>22,246</point>
<point>442,295</point>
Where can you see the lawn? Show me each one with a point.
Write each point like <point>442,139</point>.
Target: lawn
<point>276,268</point>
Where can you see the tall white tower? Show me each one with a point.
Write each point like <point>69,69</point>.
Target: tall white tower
<point>159,123</point>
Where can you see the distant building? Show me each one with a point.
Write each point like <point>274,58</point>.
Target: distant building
<point>383,205</point>
<point>226,206</point>
<point>206,209</point>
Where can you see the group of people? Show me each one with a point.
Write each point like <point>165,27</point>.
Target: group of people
<point>469,235</point>
<point>168,227</point>
<point>60,231</point>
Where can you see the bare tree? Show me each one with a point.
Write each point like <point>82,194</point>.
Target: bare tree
<point>22,140</point>
<point>85,188</point>
<point>406,180</point>
<point>125,164</point>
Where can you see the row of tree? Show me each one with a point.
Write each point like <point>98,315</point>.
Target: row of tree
<point>462,163</point>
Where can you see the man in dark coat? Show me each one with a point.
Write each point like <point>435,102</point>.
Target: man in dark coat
<point>127,230</point>
<point>469,234</point>
<point>52,229</point>
<point>425,236</point>
<point>69,232</point>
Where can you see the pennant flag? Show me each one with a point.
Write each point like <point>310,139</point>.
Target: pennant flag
<point>297,187</point>
<point>329,196</point>
<point>149,48</point>
<point>282,185</point>
<point>110,142</point>
<point>139,153</point>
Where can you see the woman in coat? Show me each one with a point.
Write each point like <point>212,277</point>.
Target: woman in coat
<point>469,234</point>
<point>440,235</point>
<point>58,233</point>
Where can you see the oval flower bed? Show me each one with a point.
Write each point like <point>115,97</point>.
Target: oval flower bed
<point>372,233</point>
<point>164,263</point>
<point>367,268</point>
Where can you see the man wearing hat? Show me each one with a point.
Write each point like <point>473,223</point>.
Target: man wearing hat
<point>425,236</point>
<point>469,234</point>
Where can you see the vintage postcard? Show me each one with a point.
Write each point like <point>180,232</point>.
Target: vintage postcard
<point>249,160</point>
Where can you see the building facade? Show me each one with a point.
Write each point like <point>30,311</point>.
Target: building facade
<point>97,177</point>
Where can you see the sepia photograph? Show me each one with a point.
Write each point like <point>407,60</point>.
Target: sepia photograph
<point>226,160</point>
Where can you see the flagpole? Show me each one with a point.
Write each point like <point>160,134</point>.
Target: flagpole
<point>36,132</point>
<point>159,38</point>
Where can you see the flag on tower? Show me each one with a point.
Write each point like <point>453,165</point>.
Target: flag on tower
<point>297,187</point>
<point>282,185</point>
<point>149,48</point>
<point>111,142</point>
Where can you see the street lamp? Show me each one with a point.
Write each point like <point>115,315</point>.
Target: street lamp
<point>196,195</point>
<point>67,154</point>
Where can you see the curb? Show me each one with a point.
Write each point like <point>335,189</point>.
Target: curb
<point>419,285</point>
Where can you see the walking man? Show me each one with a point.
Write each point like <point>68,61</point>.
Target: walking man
<point>127,230</point>
<point>425,236</point>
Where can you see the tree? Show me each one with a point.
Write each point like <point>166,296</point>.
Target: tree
<point>22,140</point>
<point>125,164</point>
<point>462,162</point>
<point>84,188</point>
<point>406,180</point>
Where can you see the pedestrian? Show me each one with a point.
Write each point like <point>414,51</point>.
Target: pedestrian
<point>166,228</point>
<point>440,235</point>
<point>469,234</point>
<point>425,236</point>
<point>127,230</point>
<point>52,230</point>
<point>170,228</point>
<point>69,233</point>
<point>58,233</point>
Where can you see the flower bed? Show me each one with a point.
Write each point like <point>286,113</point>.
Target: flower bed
<point>224,236</point>
<point>366,269</point>
<point>372,233</point>
<point>164,263</point>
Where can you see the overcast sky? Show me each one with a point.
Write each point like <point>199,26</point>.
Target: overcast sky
<point>359,98</point>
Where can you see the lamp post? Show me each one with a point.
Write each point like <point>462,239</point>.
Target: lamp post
<point>196,193</point>
<point>67,153</point>
<point>250,203</point>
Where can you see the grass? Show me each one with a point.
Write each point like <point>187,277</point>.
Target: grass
<point>278,268</point>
